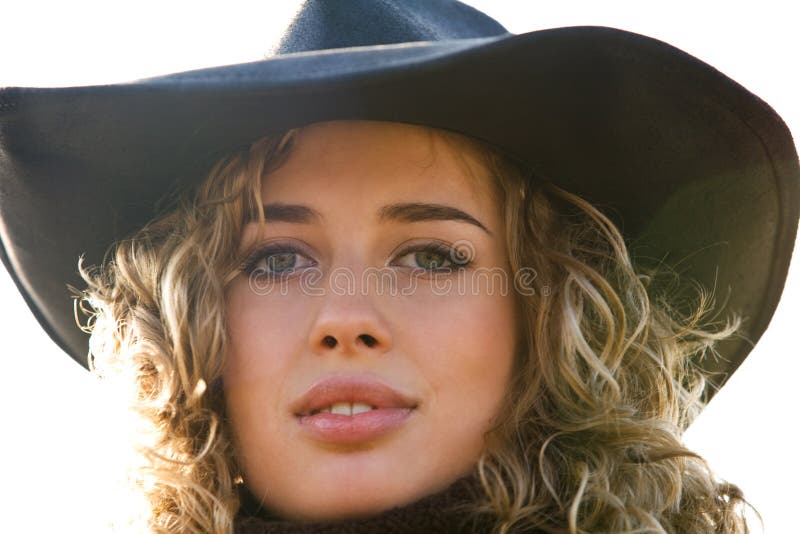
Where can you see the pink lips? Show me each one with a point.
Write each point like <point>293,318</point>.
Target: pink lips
<point>390,409</point>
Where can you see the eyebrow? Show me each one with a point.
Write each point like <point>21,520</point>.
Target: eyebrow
<point>403,212</point>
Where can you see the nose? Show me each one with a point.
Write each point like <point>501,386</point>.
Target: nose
<point>349,325</point>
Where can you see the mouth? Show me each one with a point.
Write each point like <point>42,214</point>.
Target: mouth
<point>349,396</point>
<point>352,409</point>
<point>344,408</point>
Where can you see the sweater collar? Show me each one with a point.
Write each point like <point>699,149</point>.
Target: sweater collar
<point>431,514</point>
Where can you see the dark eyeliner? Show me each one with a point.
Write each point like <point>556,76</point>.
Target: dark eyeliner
<point>449,253</point>
<point>252,260</point>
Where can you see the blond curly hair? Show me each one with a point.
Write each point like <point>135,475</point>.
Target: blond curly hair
<point>589,438</point>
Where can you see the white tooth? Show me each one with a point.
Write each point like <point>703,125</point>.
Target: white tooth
<point>359,407</point>
<point>342,408</point>
<point>326,410</point>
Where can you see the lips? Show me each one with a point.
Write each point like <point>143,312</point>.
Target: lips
<point>390,411</point>
<point>351,389</point>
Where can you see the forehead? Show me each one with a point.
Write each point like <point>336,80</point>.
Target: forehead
<point>369,159</point>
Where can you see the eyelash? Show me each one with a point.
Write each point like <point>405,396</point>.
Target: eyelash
<point>448,253</point>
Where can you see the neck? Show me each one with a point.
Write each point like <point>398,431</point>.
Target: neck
<point>439,512</point>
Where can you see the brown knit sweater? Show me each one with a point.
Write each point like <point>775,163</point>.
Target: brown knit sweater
<point>428,515</point>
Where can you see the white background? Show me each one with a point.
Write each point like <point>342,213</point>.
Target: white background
<point>53,462</point>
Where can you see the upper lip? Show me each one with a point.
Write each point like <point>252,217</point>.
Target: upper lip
<point>350,388</point>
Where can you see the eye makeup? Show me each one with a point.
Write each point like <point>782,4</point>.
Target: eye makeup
<point>269,258</point>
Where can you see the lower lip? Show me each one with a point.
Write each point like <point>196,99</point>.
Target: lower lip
<point>350,429</point>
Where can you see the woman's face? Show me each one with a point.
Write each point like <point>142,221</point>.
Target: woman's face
<point>354,299</point>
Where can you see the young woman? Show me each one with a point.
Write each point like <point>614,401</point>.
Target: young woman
<point>387,316</point>
<point>566,390</point>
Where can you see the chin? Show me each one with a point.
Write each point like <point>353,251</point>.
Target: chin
<point>352,488</point>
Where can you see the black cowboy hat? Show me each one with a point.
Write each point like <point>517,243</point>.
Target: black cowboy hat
<point>698,172</point>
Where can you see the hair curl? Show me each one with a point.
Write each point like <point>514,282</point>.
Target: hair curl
<point>589,439</point>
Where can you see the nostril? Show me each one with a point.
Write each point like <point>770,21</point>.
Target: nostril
<point>368,340</point>
<point>330,341</point>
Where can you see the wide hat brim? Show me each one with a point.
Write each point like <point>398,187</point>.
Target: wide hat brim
<point>697,172</point>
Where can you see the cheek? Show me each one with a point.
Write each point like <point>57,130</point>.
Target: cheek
<point>263,334</point>
<point>466,344</point>
<point>261,331</point>
<point>484,337</point>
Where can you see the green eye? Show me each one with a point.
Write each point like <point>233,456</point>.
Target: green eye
<point>278,263</point>
<point>275,260</point>
<point>430,260</point>
<point>435,257</point>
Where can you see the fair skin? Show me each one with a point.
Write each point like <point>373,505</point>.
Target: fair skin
<point>451,351</point>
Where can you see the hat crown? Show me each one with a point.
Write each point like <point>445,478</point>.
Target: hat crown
<point>326,24</point>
